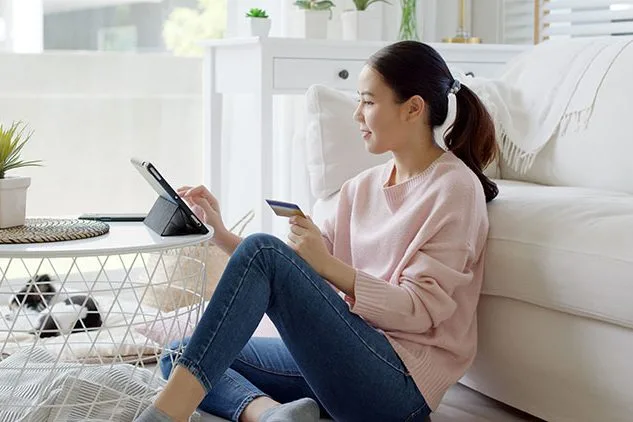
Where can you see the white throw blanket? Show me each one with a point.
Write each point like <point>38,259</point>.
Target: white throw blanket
<point>34,387</point>
<point>550,88</point>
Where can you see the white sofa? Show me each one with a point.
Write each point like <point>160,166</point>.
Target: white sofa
<point>556,312</point>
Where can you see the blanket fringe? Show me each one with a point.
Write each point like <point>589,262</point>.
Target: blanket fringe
<point>575,122</point>
<point>518,160</point>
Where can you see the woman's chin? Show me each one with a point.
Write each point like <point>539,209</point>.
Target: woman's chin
<point>372,148</point>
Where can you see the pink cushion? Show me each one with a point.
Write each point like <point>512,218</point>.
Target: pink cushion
<point>176,326</point>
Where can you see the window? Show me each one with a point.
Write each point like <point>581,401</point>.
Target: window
<point>564,19</point>
<point>142,26</point>
<point>583,18</point>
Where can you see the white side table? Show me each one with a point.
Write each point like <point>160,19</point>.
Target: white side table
<point>136,278</point>
<point>123,238</point>
<point>272,66</point>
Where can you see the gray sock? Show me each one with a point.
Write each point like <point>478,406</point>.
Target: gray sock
<point>152,414</point>
<point>303,410</point>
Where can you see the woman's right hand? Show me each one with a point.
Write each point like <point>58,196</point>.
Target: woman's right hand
<point>204,205</point>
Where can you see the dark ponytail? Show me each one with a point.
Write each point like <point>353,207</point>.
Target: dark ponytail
<point>472,138</point>
<point>413,68</point>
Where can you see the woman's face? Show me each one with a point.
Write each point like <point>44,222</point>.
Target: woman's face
<point>379,115</point>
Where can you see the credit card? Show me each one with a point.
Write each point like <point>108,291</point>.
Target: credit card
<point>285,209</point>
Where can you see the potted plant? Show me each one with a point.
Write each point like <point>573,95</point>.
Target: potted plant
<point>362,24</point>
<point>259,23</point>
<point>13,189</point>
<point>311,18</point>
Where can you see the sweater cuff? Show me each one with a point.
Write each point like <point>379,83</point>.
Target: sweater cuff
<point>370,294</point>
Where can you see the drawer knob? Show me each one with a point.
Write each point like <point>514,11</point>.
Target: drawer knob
<point>471,74</point>
<point>343,74</point>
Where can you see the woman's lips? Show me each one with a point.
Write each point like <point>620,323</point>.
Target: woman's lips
<point>366,134</point>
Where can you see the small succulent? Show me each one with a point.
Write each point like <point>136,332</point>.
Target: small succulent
<point>12,140</point>
<point>315,4</point>
<point>364,4</point>
<point>257,13</point>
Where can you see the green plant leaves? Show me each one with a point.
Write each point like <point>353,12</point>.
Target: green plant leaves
<point>256,13</point>
<point>12,140</point>
<point>364,4</point>
<point>314,4</point>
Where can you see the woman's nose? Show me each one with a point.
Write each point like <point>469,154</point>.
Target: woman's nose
<point>358,116</point>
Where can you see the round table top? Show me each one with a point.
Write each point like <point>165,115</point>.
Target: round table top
<point>123,238</point>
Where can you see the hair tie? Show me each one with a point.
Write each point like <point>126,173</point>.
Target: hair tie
<point>455,87</point>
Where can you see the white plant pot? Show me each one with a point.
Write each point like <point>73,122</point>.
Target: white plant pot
<point>13,201</point>
<point>361,25</point>
<point>309,23</point>
<point>259,27</point>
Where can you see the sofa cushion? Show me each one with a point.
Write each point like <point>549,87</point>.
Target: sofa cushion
<point>568,249</point>
<point>598,156</point>
<point>335,150</point>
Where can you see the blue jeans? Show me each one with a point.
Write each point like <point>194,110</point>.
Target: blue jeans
<point>325,352</point>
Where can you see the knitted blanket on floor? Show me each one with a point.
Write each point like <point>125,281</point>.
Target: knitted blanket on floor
<point>34,387</point>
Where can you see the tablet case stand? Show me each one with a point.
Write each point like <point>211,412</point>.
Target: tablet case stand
<point>167,219</point>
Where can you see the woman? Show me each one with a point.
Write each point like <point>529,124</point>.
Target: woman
<point>405,247</point>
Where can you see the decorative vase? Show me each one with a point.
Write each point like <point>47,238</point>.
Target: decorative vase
<point>408,22</point>
<point>310,23</point>
<point>13,201</point>
<point>361,25</point>
<point>259,27</point>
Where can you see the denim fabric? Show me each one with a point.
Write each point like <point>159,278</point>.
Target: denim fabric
<point>325,351</point>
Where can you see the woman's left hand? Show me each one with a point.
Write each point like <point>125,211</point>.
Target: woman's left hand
<point>305,238</point>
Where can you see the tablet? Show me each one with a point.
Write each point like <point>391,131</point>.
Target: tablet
<point>160,185</point>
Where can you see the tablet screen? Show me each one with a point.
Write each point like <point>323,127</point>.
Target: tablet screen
<point>164,189</point>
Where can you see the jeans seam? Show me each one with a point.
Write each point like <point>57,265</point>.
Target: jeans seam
<point>196,371</point>
<point>269,371</point>
<point>371,349</point>
<point>236,382</point>
<point>416,412</point>
<point>248,400</point>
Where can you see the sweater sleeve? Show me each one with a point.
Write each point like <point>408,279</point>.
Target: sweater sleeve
<point>422,296</point>
<point>327,232</point>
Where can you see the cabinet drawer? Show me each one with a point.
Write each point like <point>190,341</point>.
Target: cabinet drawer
<point>299,74</point>
<point>479,70</point>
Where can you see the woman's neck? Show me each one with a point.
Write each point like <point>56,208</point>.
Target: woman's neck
<point>413,162</point>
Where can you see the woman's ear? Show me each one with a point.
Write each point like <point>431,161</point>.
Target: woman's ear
<point>414,108</point>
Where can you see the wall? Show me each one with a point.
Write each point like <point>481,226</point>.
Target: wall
<point>437,18</point>
<point>486,18</point>
<point>90,113</point>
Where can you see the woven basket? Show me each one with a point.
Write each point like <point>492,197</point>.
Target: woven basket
<point>42,230</point>
<point>176,287</point>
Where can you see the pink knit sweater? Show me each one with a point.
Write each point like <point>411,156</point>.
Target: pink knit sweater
<point>418,249</point>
